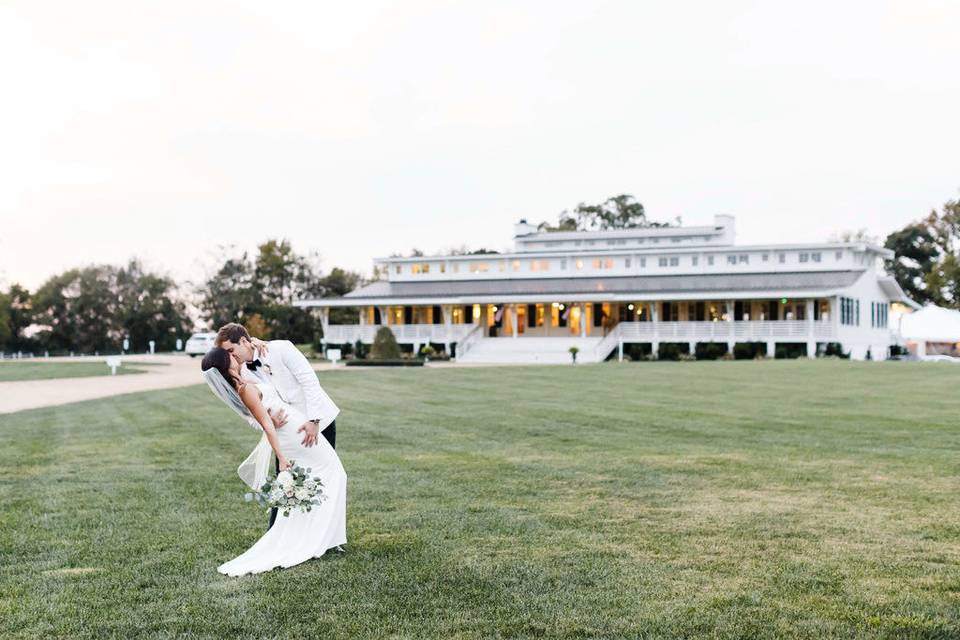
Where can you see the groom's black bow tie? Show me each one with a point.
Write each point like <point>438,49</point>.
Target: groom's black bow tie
<point>254,364</point>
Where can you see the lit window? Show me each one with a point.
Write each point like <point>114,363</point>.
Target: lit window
<point>579,264</point>
<point>539,265</point>
<point>443,267</point>
<point>479,267</point>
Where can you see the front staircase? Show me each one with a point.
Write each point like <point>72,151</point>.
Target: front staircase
<point>529,350</point>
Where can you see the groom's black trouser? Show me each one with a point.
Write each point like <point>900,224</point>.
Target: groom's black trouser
<point>330,433</point>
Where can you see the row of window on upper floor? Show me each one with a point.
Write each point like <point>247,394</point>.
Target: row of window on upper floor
<point>613,242</point>
<point>628,262</point>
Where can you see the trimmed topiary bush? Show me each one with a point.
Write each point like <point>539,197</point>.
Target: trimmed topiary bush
<point>385,345</point>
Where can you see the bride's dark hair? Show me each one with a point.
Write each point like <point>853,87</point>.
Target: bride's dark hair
<point>219,359</point>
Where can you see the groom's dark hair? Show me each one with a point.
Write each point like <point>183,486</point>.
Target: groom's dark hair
<point>232,332</point>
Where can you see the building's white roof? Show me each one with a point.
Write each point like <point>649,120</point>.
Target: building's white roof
<point>931,324</point>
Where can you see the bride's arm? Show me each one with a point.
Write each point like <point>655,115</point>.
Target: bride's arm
<point>250,397</point>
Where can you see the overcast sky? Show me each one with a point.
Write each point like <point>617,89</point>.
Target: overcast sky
<point>164,129</point>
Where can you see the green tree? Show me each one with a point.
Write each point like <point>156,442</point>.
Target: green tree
<point>148,308</point>
<point>77,310</point>
<point>6,331</point>
<point>617,212</point>
<point>926,255</point>
<point>231,294</point>
<point>385,345</point>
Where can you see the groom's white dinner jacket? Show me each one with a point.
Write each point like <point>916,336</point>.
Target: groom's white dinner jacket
<point>287,369</point>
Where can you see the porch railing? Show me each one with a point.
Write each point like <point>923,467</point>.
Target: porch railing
<point>738,331</point>
<point>344,333</point>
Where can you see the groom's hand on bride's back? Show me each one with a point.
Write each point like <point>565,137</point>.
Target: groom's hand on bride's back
<point>279,419</point>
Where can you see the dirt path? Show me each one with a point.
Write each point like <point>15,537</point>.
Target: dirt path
<point>178,371</point>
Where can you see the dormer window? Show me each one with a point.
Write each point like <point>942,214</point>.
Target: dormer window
<point>399,268</point>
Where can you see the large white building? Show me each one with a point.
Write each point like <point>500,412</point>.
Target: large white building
<point>605,290</point>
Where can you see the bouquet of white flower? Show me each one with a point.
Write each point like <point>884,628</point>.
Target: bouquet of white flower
<point>289,490</point>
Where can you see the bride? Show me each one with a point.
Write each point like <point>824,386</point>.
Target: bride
<point>300,536</point>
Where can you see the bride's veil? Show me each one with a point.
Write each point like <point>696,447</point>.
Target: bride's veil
<point>225,391</point>
<point>255,468</point>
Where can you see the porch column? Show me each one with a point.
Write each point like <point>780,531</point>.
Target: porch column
<point>620,348</point>
<point>771,349</point>
<point>363,322</point>
<point>811,338</point>
<point>445,312</point>
<point>583,320</point>
<point>655,321</point>
<point>324,325</point>
<point>384,316</point>
<point>513,319</point>
<point>731,340</point>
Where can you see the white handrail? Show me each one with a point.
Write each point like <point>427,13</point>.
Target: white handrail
<point>603,348</point>
<point>468,340</point>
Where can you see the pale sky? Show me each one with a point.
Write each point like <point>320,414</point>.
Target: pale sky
<point>162,129</point>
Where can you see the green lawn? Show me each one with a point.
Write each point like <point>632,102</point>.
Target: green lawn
<point>777,499</point>
<point>32,370</point>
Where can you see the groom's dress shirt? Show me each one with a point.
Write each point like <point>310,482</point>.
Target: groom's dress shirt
<point>288,370</point>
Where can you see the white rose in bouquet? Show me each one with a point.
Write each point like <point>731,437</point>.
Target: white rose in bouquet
<point>302,493</point>
<point>285,479</point>
<point>276,494</point>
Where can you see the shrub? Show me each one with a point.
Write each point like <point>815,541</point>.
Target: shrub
<point>427,350</point>
<point>749,350</point>
<point>834,349</point>
<point>385,345</point>
<point>686,357</point>
<point>672,350</point>
<point>399,362</point>
<point>710,350</point>
<point>360,349</point>
<point>790,350</point>
<point>637,350</point>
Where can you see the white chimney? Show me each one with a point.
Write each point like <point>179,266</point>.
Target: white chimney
<point>523,228</point>
<point>727,224</point>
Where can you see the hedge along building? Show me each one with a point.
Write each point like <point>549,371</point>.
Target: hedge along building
<point>603,290</point>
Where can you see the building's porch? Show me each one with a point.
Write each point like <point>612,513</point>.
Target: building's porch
<point>611,323</point>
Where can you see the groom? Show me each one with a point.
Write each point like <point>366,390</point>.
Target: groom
<point>286,368</point>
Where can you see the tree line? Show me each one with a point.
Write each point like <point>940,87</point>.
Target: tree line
<point>96,307</point>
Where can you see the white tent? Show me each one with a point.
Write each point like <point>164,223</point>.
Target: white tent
<point>931,325</point>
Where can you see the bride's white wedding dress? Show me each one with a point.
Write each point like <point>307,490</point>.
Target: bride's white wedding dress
<point>300,536</point>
